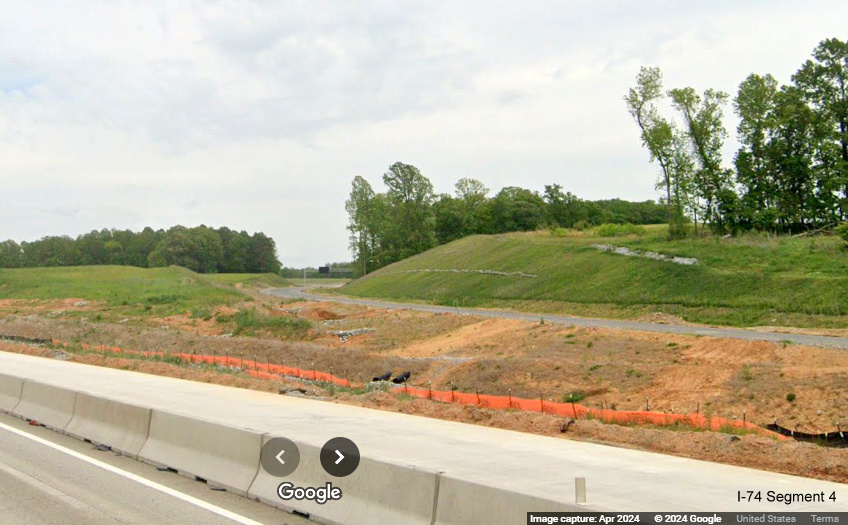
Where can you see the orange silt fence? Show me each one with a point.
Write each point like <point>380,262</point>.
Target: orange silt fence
<point>572,410</point>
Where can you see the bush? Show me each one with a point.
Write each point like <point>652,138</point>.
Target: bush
<point>574,397</point>
<point>790,397</point>
<point>619,230</point>
<point>842,231</point>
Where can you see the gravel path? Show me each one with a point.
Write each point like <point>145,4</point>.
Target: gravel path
<point>710,331</point>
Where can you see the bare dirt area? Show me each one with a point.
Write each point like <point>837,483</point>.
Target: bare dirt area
<point>801,387</point>
<point>198,326</point>
<point>56,307</point>
<point>833,332</point>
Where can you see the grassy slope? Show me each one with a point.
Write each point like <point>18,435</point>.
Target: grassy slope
<point>739,281</point>
<point>165,290</point>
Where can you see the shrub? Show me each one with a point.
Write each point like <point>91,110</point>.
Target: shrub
<point>575,396</point>
<point>842,231</point>
<point>790,397</point>
<point>619,230</point>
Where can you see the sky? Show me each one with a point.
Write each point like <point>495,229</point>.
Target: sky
<point>257,115</point>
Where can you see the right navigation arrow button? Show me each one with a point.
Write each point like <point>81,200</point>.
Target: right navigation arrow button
<point>340,457</point>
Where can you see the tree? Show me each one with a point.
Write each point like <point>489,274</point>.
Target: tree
<point>471,193</point>
<point>662,139</point>
<point>790,151</point>
<point>823,81</point>
<point>263,254</point>
<point>517,209</point>
<point>755,105</point>
<point>137,246</point>
<point>115,253</point>
<point>563,209</point>
<point>237,252</point>
<point>706,133</point>
<point>91,247</point>
<point>179,248</point>
<point>410,194</point>
<point>451,219</point>
<point>51,251</point>
<point>210,249</point>
<point>361,217</point>
<point>11,254</point>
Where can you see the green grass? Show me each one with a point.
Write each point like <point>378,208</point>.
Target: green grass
<point>743,281</point>
<point>255,280</point>
<point>249,322</point>
<point>159,291</point>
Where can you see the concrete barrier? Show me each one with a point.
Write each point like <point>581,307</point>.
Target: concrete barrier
<point>223,455</point>
<point>10,392</point>
<point>376,493</point>
<point>461,502</point>
<point>122,426</point>
<point>49,405</point>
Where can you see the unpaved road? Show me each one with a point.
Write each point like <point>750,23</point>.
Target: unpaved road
<point>709,331</point>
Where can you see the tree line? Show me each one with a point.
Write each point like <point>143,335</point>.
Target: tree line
<point>410,218</point>
<point>201,249</point>
<point>790,173</point>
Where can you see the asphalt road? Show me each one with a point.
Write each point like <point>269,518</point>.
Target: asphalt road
<point>709,331</point>
<point>43,484</point>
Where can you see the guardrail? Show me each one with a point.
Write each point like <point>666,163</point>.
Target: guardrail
<point>227,456</point>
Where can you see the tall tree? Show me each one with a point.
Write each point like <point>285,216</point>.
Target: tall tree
<point>451,219</point>
<point>517,209</point>
<point>563,208</point>
<point>755,104</point>
<point>412,222</point>
<point>91,246</point>
<point>661,138</point>
<point>823,80</point>
<point>210,249</point>
<point>11,254</point>
<point>791,151</point>
<point>179,248</point>
<point>706,133</point>
<point>471,194</point>
<point>263,254</point>
<point>361,216</point>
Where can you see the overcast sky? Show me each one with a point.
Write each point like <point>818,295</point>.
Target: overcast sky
<point>257,115</point>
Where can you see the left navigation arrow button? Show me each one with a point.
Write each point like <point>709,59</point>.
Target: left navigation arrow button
<point>271,457</point>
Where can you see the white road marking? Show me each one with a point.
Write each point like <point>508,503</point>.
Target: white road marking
<point>138,479</point>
